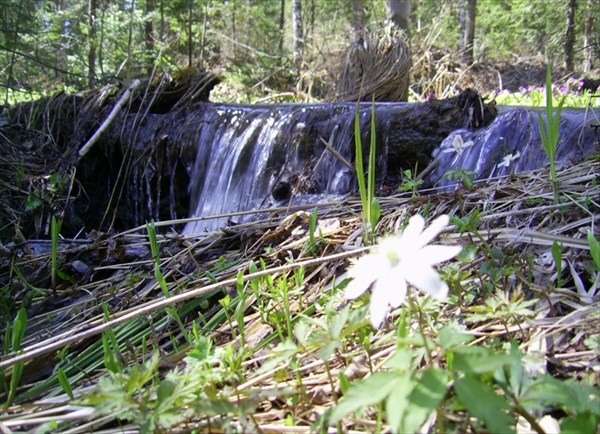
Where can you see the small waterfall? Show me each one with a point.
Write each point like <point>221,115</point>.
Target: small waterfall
<point>256,157</point>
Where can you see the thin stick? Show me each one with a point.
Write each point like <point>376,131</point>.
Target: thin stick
<point>113,114</point>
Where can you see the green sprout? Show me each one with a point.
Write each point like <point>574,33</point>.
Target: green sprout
<point>550,130</point>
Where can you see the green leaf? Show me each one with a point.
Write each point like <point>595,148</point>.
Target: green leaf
<point>165,390</point>
<point>425,398</point>
<point>450,337</point>
<point>571,396</point>
<point>585,423</point>
<point>18,331</point>
<point>364,393</point>
<point>280,355</point>
<point>398,404</point>
<point>478,360</point>
<point>402,360</point>
<point>594,249</point>
<point>344,383</point>
<point>375,212</point>
<point>482,403</point>
<point>64,382</point>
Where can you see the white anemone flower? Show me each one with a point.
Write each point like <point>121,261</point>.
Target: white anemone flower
<point>509,159</point>
<point>458,145</point>
<point>397,261</point>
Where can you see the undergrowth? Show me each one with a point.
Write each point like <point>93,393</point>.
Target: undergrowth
<point>272,344</point>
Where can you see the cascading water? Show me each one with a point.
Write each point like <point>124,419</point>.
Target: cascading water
<point>512,144</point>
<point>255,157</point>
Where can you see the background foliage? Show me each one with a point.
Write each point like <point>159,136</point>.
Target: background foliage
<point>47,46</point>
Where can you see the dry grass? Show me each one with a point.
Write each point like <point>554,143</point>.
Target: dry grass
<point>518,217</point>
<point>377,66</point>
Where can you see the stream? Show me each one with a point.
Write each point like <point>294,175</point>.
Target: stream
<point>256,157</point>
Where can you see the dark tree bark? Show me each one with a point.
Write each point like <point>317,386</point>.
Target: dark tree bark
<point>130,41</point>
<point>399,11</point>
<point>298,33</point>
<point>190,41</point>
<point>149,35</point>
<point>61,51</point>
<point>281,25</point>
<point>203,38</point>
<point>570,36</point>
<point>589,37</point>
<point>92,13</point>
<point>162,21</point>
<point>309,32</point>
<point>100,51</point>
<point>358,17</point>
<point>467,41</point>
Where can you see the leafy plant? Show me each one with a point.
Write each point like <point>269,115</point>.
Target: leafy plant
<point>14,335</point>
<point>550,130</point>
<point>594,249</point>
<point>557,255</point>
<point>55,234</point>
<point>411,182</point>
<point>465,177</point>
<point>155,250</point>
<point>370,205</point>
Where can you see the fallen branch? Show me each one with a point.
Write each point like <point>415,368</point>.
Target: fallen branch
<point>113,114</point>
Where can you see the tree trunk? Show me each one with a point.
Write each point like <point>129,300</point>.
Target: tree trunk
<point>281,25</point>
<point>130,41</point>
<point>62,61</point>
<point>311,22</point>
<point>103,7</point>
<point>149,35</point>
<point>233,29</point>
<point>162,21</point>
<point>358,18</point>
<point>203,38</point>
<point>570,36</point>
<point>589,37</point>
<point>468,11</point>
<point>92,13</point>
<point>190,42</point>
<point>298,33</point>
<point>399,12</point>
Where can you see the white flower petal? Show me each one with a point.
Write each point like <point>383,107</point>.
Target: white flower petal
<point>379,305</point>
<point>398,295</point>
<point>393,285</point>
<point>435,254</point>
<point>412,232</point>
<point>428,281</point>
<point>364,272</point>
<point>433,230</point>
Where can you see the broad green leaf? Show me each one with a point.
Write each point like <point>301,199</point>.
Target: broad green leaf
<point>478,360</point>
<point>584,423</point>
<point>450,337</point>
<point>165,391</point>
<point>425,398</point>
<point>280,355</point>
<point>402,360</point>
<point>397,404</point>
<point>369,391</point>
<point>571,396</point>
<point>482,403</point>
